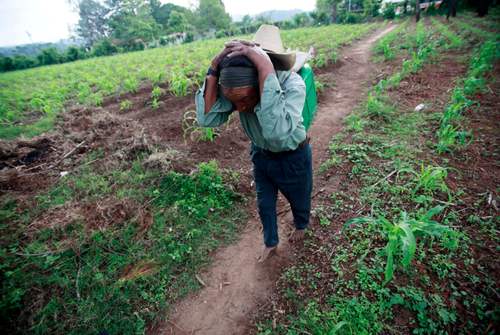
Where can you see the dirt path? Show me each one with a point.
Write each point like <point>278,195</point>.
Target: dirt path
<point>236,286</point>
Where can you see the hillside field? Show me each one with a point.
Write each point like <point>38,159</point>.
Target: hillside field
<point>114,203</point>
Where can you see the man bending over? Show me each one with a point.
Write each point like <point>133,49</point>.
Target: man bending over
<point>270,101</point>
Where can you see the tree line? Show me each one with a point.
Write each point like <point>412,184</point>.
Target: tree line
<point>108,27</point>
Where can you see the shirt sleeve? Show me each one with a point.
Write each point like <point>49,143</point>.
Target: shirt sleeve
<point>280,110</point>
<point>219,113</point>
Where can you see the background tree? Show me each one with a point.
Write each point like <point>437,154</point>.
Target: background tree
<point>482,7</point>
<point>21,62</point>
<point>247,22</point>
<point>452,9</point>
<point>177,22</point>
<point>6,64</point>
<point>298,19</point>
<point>389,12</point>
<point>72,53</point>
<point>417,10</point>
<point>161,13</point>
<point>211,14</point>
<point>93,24</point>
<point>265,18</point>
<point>49,56</point>
<point>132,20</point>
<point>104,48</point>
<point>329,7</point>
<point>368,7</point>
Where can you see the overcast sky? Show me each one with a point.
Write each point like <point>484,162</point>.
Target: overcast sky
<point>48,20</point>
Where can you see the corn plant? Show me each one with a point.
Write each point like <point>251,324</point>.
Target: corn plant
<point>334,56</point>
<point>130,85</point>
<point>401,236</point>
<point>158,92</point>
<point>126,104</point>
<point>157,79</point>
<point>190,124</point>
<point>319,86</point>
<point>454,111</point>
<point>431,179</point>
<point>334,161</point>
<point>199,77</point>
<point>97,98</point>
<point>455,40</point>
<point>321,60</point>
<point>449,135</point>
<point>179,84</point>
<point>155,103</point>
<point>85,92</point>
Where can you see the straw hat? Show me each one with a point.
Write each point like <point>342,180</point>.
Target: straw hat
<point>270,41</point>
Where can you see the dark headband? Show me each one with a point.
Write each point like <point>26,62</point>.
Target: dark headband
<point>238,76</point>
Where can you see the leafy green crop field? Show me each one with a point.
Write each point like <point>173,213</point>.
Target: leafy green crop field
<point>52,89</point>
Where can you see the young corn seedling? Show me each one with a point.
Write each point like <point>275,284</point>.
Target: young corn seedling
<point>97,98</point>
<point>334,161</point>
<point>125,105</point>
<point>448,136</point>
<point>84,92</point>
<point>319,87</point>
<point>401,236</point>
<point>431,179</point>
<point>190,124</point>
<point>158,92</point>
<point>321,60</point>
<point>199,77</point>
<point>158,79</point>
<point>179,84</point>
<point>130,85</point>
<point>453,112</point>
<point>155,103</point>
<point>334,56</point>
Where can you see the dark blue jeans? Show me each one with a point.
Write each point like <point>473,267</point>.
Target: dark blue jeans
<point>293,176</point>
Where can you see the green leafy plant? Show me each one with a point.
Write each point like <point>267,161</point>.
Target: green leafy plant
<point>199,77</point>
<point>155,103</point>
<point>321,60</point>
<point>179,84</point>
<point>319,86</point>
<point>130,85</point>
<point>449,135</point>
<point>126,104</point>
<point>334,56</point>
<point>190,124</point>
<point>431,179</point>
<point>97,98</point>
<point>401,236</point>
<point>334,161</point>
<point>158,92</point>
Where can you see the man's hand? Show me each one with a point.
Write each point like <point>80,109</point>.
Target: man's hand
<point>255,54</point>
<point>250,49</point>
<point>229,49</point>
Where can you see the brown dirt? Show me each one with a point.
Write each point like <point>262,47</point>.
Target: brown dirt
<point>236,286</point>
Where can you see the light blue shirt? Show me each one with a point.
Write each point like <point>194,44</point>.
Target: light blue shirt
<point>276,124</point>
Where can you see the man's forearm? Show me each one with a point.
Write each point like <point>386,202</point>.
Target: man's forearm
<point>212,85</point>
<point>265,69</point>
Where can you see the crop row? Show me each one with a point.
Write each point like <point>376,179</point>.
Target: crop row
<point>50,89</point>
<point>384,45</point>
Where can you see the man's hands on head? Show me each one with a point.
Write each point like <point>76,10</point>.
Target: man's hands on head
<point>236,47</point>
<point>233,48</point>
<point>255,54</point>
